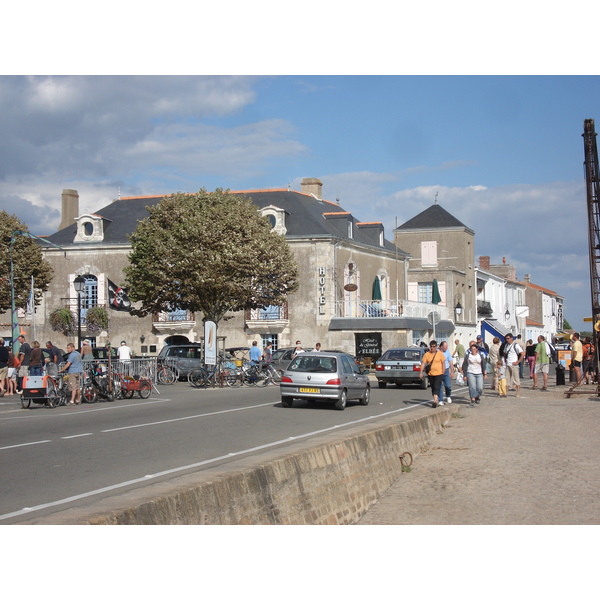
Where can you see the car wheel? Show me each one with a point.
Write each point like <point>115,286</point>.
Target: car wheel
<point>287,402</point>
<point>398,385</point>
<point>381,384</point>
<point>423,383</point>
<point>341,403</point>
<point>366,396</point>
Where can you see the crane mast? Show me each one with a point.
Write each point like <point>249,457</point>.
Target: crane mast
<point>593,208</point>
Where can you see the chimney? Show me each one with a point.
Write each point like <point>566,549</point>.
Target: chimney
<point>311,185</point>
<point>70,208</point>
<point>484,263</point>
<point>527,278</point>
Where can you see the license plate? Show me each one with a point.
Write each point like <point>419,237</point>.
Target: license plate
<point>309,390</point>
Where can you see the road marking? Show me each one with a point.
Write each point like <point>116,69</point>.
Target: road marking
<point>70,437</point>
<point>202,463</point>
<point>27,444</point>
<point>219,412</point>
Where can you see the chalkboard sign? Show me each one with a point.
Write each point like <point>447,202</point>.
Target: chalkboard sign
<point>368,344</point>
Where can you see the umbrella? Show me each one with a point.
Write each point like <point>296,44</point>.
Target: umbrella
<point>435,294</point>
<point>376,289</point>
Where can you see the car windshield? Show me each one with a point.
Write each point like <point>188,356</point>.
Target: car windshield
<point>313,364</point>
<point>402,354</point>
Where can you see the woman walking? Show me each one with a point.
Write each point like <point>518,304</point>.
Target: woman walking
<point>433,365</point>
<point>475,367</point>
<point>494,357</point>
<point>530,357</point>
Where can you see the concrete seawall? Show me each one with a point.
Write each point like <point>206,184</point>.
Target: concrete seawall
<point>333,481</point>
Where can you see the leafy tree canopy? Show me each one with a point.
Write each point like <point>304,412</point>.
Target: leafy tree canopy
<point>209,252</point>
<point>27,261</point>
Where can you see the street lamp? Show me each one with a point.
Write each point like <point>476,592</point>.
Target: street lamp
<point>458,309</point>
<point>79,284</point>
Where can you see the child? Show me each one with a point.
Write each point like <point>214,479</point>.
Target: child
<point>501,376</point>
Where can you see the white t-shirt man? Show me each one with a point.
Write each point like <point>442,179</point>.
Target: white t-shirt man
<point>124,352</point>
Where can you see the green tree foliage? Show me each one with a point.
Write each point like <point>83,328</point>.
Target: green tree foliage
<point>209,252</point>
<point>27,261</point>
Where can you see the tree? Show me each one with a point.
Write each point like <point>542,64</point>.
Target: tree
<point>27,261</point>
<point>209,252</point>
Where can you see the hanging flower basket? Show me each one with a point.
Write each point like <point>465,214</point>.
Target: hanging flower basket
<point>96,319</point>
<point>62,320</point>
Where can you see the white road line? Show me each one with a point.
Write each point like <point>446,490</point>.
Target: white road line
<point>219,412</point>
<point>202,463</point>
<point>70,437</point>
<point>27,444</point>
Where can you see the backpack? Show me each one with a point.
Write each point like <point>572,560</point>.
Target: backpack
<point>588,351</point>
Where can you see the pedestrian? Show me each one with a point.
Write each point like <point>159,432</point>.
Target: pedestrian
<point>475,368</point>
<point>74,367</point>
<point>86,350</point>
<point>36,360</point>
<point>4,356</point>
<point>11,379</point>
<point>577,357</point>
<point>483,347</point>
<point>588,360</point>
<point>255,353</point>
<point>494,357</point>
<point>512,354</point>
<point>268,352</point>
<point>298,349</point>
<point>24,352</point>
<point>542,362</point>
<point>522,345</point>
<point>432,365</point>
<point>459,351</point>
<point>317,347</point>
<point>501,378</point>
<point>123,351</point>
<point>446,387</point>
<point>530,357</point>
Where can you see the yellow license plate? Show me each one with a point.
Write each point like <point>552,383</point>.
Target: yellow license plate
<point>309,390</point>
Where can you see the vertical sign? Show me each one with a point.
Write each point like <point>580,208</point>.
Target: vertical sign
<point>210,343</point>
<point>321,290</point>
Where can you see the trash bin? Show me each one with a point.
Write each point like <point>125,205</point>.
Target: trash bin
<point>560,375</point>
<point>572,374</point>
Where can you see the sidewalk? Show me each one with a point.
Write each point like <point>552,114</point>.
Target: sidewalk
<point>529,460</point>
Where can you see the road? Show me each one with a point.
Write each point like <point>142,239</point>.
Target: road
<point>52,459</point>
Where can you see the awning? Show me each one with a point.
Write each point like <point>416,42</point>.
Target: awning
<point>494,328</point>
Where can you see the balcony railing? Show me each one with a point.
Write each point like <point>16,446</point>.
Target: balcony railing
<point>176,316</point>
<point>389,308</point>
<point>270,313</point>
<point>484,308</point>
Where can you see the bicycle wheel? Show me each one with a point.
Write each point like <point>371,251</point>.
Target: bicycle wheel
<point>231,377</point>
<point>198,378</point>
<point>52,396</point>
<point>145,389</point>
<point>88,393</point>
<point>165,376</point>
<point>25,402</point>
<point>250,377</point>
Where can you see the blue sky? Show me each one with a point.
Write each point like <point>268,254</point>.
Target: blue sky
<point>503,153</point>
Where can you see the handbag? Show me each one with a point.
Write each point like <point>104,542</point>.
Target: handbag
<point>460,380</point>
<point>427,368</point>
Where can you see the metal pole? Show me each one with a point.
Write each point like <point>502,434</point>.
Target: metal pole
<point>78,321</point>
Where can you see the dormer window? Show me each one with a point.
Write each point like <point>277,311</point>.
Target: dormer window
<point>276,218</point>
<point>90,228</point>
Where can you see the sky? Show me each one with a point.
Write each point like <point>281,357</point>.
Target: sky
<point>388,120</point>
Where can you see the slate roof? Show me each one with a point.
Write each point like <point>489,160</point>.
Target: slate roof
<point>305,217</point>
<point>434,217</point>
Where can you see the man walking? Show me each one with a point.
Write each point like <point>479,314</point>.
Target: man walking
<point>577,357</point>
<point>542,362</point>
<point>446,387</point>
<point>513,355</point>
<point>24,352</point>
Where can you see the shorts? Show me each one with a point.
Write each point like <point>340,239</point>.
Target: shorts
<point>3,373</point>
<point>576,363</point>
<point>23,370</point>
<point>542,367</point>
<point>12,373</point>
<point>74,381</point>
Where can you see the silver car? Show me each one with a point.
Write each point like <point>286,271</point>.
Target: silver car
<point>400,366</point>
<point>324,376</point>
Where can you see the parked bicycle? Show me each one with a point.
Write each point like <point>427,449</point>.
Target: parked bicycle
<point>213,375</point>
<point>262,374</point>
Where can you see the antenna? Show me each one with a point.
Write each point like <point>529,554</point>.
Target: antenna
<point>289,185</point>
<point>436,195</point>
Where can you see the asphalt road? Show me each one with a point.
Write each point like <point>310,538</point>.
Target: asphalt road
<point>52,459</point>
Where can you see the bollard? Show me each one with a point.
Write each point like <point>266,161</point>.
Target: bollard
<point>560,375</point>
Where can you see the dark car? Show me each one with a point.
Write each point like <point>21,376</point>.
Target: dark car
<point>182,358</point>
<point>281,358</point>
<point>400,366</point>
<point>101,353</point>
<point>324,376</point>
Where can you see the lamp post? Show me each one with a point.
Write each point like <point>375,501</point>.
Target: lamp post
<point>458,309</point>
<point>79,284</point>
